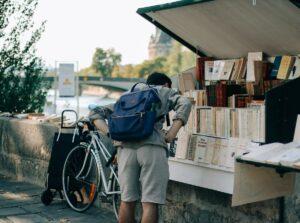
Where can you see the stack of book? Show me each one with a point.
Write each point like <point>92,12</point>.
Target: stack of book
<point>287,155</point>
<point>239,100</point>
<point>212,151</point>
<point>217,94</point>
<point>206,120</point>
<point>226,70</point>
<point>246,123</point>
<point>252,69</point>
<point>199,97</point>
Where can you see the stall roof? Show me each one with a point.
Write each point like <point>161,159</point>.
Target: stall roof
<point>230,28</point>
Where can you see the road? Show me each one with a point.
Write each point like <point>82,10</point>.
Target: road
<point>20,203</point>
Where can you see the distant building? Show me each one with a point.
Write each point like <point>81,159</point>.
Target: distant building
<point>160,45</point>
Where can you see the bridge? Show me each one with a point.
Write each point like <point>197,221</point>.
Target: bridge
<point>120,84</point>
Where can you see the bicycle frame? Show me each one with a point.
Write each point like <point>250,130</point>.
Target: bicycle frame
<point>98,150</point>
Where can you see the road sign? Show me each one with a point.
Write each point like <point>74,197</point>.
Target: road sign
<point>66,80</point>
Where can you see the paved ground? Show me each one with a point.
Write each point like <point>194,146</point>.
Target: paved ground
<point>20,203</point>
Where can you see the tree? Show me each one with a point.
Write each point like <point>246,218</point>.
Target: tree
<point>150,66</point>
<point>22,87</point>
<point>179,59</point>
<point>104,61</point>
<point>174,60</point>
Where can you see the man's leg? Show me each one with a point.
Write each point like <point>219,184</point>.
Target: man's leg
<point>150,212</point>
<point>126,212</point>
<point>129,172</point>
<point>154,178</point>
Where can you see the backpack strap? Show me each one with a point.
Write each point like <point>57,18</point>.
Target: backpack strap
<point>162,116</point>
<point>132,89</point>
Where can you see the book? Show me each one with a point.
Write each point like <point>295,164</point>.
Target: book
<point>186,80</point>
<point>182,144</point>
<point>258,72</point>
<point>286,65</point>
<point>242,69</point>
<point>200,70</point>
<point>295,72</point>
<point>217,69</point>
<point>235,69</point>
<point>239,100</point>
<point>227,70</point>
<point>252,56</point>
<point>200,149</point>
<point>209,66</point>
<point>266,70</point>
<point>275,68</point>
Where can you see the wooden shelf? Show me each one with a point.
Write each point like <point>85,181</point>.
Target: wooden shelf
<point>202,175</point>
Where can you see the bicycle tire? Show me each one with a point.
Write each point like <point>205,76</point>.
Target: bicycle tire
<point>73,186</point>
<point>116,199</point>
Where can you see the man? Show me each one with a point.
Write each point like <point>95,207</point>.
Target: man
<point>143,165</point>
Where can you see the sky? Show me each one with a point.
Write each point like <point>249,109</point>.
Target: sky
<point>74,28</point>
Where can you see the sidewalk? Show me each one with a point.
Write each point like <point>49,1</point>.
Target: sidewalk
<point>20,203</point>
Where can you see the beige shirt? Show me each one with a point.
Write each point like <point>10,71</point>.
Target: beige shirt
<point>170,100</point>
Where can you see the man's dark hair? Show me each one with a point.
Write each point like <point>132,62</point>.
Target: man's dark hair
<point>159,79</point>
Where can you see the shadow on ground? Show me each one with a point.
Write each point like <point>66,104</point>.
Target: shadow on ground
<point>20,203</point>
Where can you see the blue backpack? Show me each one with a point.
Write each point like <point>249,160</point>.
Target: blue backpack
<point>134,115</point>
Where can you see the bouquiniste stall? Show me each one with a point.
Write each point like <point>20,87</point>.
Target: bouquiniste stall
<point>226,30</point>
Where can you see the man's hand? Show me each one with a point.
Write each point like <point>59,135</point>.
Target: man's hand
<point>101,126</point>
<point>171,134</point>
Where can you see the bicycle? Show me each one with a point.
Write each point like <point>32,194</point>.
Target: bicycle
<point>89,169</point>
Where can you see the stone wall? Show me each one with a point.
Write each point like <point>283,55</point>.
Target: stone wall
<point>25,148</point>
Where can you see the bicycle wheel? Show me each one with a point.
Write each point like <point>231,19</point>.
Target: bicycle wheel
<point>116,199</point>
<point>81,178</point>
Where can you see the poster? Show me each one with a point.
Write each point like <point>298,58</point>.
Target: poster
<point>66,80</point>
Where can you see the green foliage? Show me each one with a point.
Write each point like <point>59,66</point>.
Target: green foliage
<point>22,88</point>
<point>104,61</point>
<point>174,60</point>
<point>107,63</point>
<point>179,59</point>
<point>150,66</point>
<point>125,71</point>
<point>88,71</point>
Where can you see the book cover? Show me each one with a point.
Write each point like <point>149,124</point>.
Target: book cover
<point>182,144</point>
<point>275,68</point>
<point>200,149</point>
<point>295,72</point>
<point>252,56</point>
<point>187,81</point>
<point>235,70</point>
<point>286,65</point>
<point>227,70</point>
<point>200,70</point>
<point>217,70</point>
<point>258,71</point>
<point>209,66</point>
<point>242,69</point>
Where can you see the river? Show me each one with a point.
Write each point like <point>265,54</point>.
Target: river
<point>63,103</point>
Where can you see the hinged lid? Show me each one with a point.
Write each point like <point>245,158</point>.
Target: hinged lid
<point>230,28</point>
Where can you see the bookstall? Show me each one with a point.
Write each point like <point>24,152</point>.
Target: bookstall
<point>244,87</point>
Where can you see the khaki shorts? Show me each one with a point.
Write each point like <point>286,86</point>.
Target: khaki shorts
<point>143,174</point>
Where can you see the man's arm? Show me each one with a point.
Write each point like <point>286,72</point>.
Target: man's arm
<point>98,116</point>
<point>182,106</point>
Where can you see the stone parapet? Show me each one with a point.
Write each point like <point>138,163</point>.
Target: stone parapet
<point>25,148</point>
